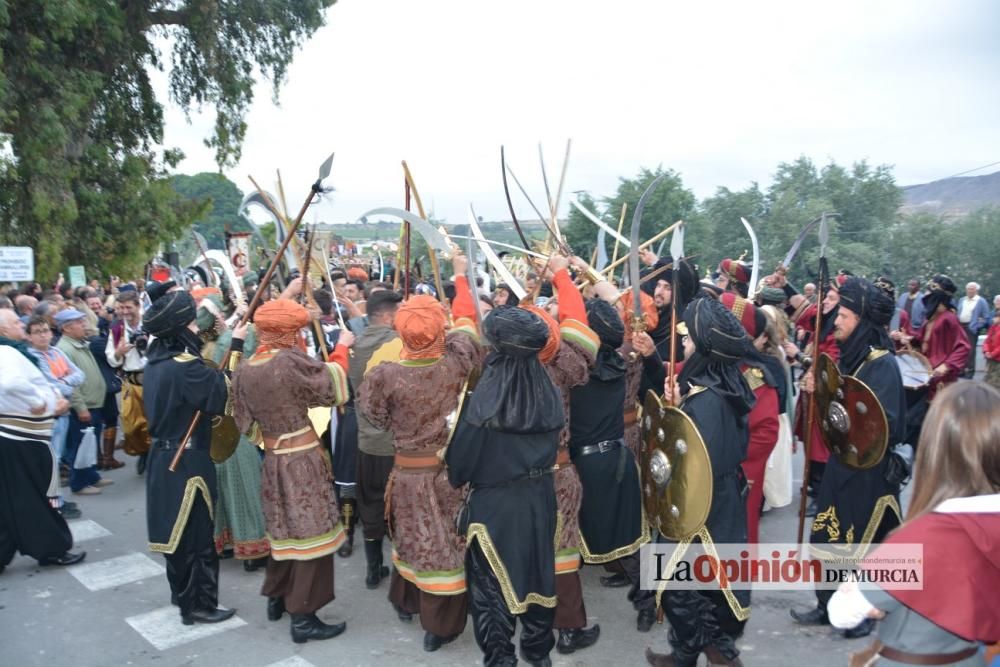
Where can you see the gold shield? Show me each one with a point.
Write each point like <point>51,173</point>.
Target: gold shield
<point>852,421</point>
<point>225,433</point>
<point>676,470</point>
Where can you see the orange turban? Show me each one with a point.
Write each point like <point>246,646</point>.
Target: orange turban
<point>200,293</point>
<point>357,273</point>
<point>547,353</point>
<point>279,322</point>
<point>648,310</point>
<point>420,322</point>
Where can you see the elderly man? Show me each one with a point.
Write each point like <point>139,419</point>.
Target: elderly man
<point>974,315</point>
<point>28,523</point>
<point>25,306</point>
<point>87,401</point>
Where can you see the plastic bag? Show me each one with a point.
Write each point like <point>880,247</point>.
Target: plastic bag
<point>86,453</point>
<point>778,475</point>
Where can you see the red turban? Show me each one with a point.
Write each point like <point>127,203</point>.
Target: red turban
<point>736,270</point>
<point>752,321</point>
<point>547,353</point>
<point>420,322</point>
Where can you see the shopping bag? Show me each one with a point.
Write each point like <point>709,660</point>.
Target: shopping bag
<point>778,474</point>
<point>86,453</point>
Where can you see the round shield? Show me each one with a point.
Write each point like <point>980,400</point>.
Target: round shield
<point>852,422</point>
<point>914,368</point>
<point>225,433</point>
<point>676,470</point>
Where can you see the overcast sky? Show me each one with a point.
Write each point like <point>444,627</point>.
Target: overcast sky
<point>721,92</point>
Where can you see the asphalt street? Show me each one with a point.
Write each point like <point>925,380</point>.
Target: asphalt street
<point>114,609</point>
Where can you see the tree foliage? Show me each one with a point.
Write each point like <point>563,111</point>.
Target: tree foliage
<point>87,180</point>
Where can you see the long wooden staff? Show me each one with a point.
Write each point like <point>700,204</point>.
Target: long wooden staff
<point>247,315</point>
<point>435,268</point>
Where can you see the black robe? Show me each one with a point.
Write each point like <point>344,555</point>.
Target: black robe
<point>856,508</point>
<point>175,387</point>
<point>612,521</point>
<point>512,512</point>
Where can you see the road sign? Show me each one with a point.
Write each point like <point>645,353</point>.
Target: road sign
<point>17,264</point>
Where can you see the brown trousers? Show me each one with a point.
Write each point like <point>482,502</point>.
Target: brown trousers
<point>570,612</point>
<point>441,615</point>
<point>306,585</point>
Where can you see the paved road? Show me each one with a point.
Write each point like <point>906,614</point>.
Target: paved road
<point>114,609</point>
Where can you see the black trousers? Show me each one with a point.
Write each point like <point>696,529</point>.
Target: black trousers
<point>372,475</point>
<point>193,568</point>
<point>641,599</point>
<point>699,619</point>
<point>493,623</point>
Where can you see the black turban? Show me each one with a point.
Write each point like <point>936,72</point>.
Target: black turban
<point>515,393</point>
<point>155,290</point>
<point>940,290</point>
<point>605,321</point>
<point>720,343</point>
<point>886,286</point>
<point>687,279</point>
<point>169,315</point>
<point>874,309</point>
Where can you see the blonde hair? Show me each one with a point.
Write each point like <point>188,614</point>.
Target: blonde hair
<point>959,451</point>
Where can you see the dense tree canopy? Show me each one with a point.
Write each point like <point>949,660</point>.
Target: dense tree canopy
<point>87,179</point>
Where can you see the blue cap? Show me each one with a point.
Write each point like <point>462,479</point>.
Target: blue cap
<point>64,317</point>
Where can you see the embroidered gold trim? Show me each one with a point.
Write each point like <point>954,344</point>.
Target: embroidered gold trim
<point>230,408</point>
<point>742,613</point>
<point>479,531</point>
<point>832,528</point>
<point>620,552</point>
<point>884,503</point>
<point>194,484</point>
<point>184,357</point>
<point>754,378</point>
<point>675,558</point>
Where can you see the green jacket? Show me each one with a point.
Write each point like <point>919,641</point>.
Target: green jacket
<point>91,393</point>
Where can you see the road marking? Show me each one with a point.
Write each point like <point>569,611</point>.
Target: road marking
<point>116,571</point>
<point>85,529</point>
<point>294,661</point>
<point>163,628</point>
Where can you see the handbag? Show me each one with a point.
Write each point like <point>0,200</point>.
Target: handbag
<point>778,473</point>
<point>86,453</point>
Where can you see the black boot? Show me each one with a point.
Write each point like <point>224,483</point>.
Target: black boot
<point>308,626</point>
<point>349,517</point>
<point>646,619</point>
<point>376,570</point>
<point>432,642</point>
<point>815,616</point>
<point>862,629</point>
<point>577,639</point>
<point>616,580</point>
<point>275,608</point>
<point>207,616</point>
<point>254,564</point>
<point>140,464</point>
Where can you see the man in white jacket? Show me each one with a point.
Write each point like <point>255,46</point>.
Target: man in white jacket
<point>28,407</point>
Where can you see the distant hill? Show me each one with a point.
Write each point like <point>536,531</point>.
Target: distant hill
<point>953,196</point>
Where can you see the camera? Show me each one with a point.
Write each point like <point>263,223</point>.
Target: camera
<point>140,339</point>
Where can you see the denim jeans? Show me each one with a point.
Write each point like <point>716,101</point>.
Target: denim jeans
<point>79,479</point>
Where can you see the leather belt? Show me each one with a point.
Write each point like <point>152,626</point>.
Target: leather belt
<point>170,444</point>
<point>298,440</point>
<point>926,658</point>
<point>631,417</point>
<point>418,460</point>
<point>599,448</point>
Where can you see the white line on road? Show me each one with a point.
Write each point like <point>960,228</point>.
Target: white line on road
<point>85,529</point>
<point>163,628</point>
<point>294,661</point>
<point>116,571</point>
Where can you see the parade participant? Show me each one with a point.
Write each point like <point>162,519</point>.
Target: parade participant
<point>28,407</point>
<point>660,288</point>
<point>505,449</point>
<point>734,276</point>
<point>942,339</point>
<point>567,356</point>
<point>612,520</point>
<point>718,400</point>
<point>178,384</point>
<point>239,517</point>
<point>762,376</point>
<point>503,295</point>
<point>375,451</point>
<point>643,366</point>
<point>954,514</point>
<point>901,319</point>
<point>858,508</point>
<point>272,394</point>
<point>412,399</point>
<point>126,352</point>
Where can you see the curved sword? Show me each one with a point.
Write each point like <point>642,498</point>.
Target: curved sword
<point>600,223</point>
<point>755,269</point>
<point>638,324</point>
<point>510,204</point>
<point>433,237</point>
<point>265,200</point>
<point>491,256</point>
<point>602,250</point>
<point>515,248</point>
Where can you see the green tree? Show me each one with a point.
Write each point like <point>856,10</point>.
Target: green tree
<point>87,182</point>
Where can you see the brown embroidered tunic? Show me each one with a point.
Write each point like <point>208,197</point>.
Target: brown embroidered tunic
<point>412,399</point>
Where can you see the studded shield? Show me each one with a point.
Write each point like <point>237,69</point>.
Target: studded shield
<point>676,470</point>
<point>852,421</point>
<point>225,433</point>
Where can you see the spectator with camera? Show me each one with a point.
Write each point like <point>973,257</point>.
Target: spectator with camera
<point>126,352</point>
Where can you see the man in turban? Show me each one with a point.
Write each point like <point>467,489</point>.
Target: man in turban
<point>505,449</point>
<point>718,400</point>
<point>658,283</point>
<point>858,508</point>
<point>178,385</point>
<point>567,356</point>
<point>413,399</point>
<point>942,339</point>
<point>272,394</point>
<point>734,276</point>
